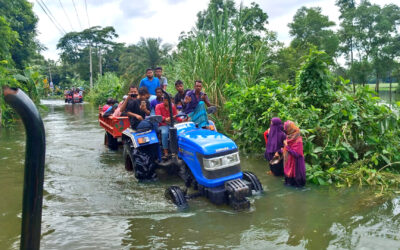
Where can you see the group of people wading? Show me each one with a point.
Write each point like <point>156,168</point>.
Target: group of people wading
<point>284,151</point>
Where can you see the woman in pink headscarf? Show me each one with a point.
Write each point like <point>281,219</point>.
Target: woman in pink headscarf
<point>293,157</point>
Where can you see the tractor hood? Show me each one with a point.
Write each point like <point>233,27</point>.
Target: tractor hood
<point>205,141</point>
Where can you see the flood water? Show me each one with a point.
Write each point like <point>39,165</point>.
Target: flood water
<point>91,202</point>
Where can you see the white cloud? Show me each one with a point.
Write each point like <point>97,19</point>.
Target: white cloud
<point>166,19</point>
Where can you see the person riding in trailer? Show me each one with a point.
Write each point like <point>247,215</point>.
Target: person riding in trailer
<point>179,98</point>
<point>162,109</point>
<point>163,80</point>
<point>131,97</point>
<point>158,100</point>
<point>151,83</point>
<point>196,101</point>
<point>137,111</point>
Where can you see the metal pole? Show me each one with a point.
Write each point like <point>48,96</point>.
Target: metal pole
<point>34,166</point>
<point>90,66</point>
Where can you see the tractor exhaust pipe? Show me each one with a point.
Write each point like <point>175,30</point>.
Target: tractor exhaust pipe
<point>34,166</point>
<point>173,134</point>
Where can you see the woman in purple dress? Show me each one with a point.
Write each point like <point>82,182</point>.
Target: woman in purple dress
<point>274,138</point>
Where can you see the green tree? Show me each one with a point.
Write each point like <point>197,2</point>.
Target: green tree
<point>314,84</point>
<point>377,35</point>
<point>21,19</point>
<point>8,38</point>
<point>309,26</point>
<point>347,31</point>
<point>75,49</point>
<point>136,58</point>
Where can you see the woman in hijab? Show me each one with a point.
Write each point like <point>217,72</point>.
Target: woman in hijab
<point>293,158</point>
<point>274,138</point>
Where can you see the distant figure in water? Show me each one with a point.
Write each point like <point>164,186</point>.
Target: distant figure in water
<point>274,138</point>
<point>293,157</point>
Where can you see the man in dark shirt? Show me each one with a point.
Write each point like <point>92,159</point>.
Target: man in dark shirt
<point>138,109</point>
<point>132,95</point>
<point>180,96</point>
<point>196,101</point>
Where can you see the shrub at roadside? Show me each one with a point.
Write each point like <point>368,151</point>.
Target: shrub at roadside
<point>106,86</point>
<point>348,137</point>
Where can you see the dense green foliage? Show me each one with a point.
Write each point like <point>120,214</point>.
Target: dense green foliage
<point>354,132</point>
<point>18,48</point>
<point>106,86</point>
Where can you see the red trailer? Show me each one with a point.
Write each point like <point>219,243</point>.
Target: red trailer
<point>114,127</point>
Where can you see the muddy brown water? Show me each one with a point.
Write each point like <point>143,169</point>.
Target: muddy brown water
<point>91,202</point>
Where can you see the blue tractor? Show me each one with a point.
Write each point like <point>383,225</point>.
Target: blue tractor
<point>206,160</point>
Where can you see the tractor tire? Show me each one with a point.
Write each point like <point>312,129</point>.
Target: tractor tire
<point>112,143</point>
<point>129,162</point>
<point>255,184</point>
<point>177,196</point>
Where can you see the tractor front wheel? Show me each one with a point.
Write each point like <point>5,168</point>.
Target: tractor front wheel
<point>177,196</point>
<point>255,184</point>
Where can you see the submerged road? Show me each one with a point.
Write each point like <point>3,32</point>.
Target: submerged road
<point>91,202</point>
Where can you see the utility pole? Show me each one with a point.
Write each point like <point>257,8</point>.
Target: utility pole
<point>51,80</point>
<point>90,66</point>
<point>100,64</point>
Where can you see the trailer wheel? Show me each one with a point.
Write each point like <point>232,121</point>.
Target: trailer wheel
<point>112,142</point>
<point>253,180</point>
<point>177,196</point>
<point>129,163</point>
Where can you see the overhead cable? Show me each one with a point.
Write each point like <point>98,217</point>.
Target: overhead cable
<point>87,15</point>
<point>51,14</point>
<point>44,10</point>
<point>77,15</point>
<point>69,21</point>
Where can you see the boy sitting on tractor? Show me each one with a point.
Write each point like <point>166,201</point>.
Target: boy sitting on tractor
<point>162,109</point>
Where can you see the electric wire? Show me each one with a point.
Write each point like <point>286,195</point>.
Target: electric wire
<point>51,14</point>
<point>77,15</point>
<point>69,20</point>
<point>87,15</point>
<point>44,10</point>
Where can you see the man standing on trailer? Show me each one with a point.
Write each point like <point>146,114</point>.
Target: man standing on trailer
<point>151,83</point>
<point>163,80</point>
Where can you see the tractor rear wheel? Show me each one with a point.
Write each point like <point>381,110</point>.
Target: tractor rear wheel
<point>112,143</point>
<point>177,196</point>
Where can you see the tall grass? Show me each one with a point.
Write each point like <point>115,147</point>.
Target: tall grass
<point>220,56</point>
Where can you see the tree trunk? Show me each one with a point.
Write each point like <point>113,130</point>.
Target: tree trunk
<point>90,67</point>
<point>390,88</point>
<point>351,66</point>
<point>377,84</point>
<point>100,64</point>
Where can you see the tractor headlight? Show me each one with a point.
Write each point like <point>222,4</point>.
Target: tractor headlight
<point>221,162</point>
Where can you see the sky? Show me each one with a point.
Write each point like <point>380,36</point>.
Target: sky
<point>133,19</point>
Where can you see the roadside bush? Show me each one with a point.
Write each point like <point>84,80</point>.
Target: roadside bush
<point>354,139</point>
<point>106,86</point>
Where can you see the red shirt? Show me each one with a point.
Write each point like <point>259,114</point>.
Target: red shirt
<point>164,112</point>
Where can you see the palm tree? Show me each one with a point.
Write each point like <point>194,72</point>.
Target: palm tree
<point>147,53</point>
